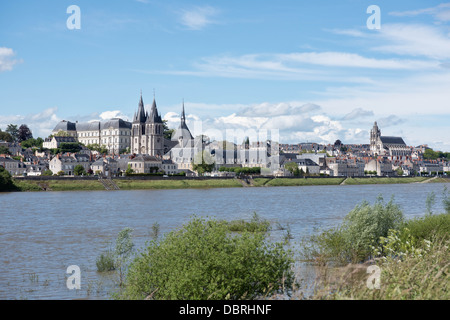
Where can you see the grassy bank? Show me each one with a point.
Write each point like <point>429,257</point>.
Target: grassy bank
<point>411,255</point>
<point>280,182</point>
<point>387,180</point>
<point>85,185</point>
<point>176,184</point>
<point>58,185</point>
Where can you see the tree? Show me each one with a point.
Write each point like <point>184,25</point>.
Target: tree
<point>203,162</point>
<point>129,170</point>
<point>60,133</point>
<point>47,173</point>
<point>72,147</point>
<point>24,133</point>
<point>430,154</point>
<point>30,143</point>
<point>79,170</point>
<point>166,131</point>
<point>204,260</point>
<point>13,131</point>
<point>98,148</point>
<point>291,167</point>
<point>5,136</point>
<point>4,150</point>
<point>6,183</point>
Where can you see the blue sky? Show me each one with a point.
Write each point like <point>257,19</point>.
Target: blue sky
<point>311,69</point>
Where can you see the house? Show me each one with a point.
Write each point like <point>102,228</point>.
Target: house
<point>145,164</point>
<point>382,166</point>
<point>14,167</point>
<point>106,166</point>
<point>36,169</point>
<point>67,163</point>
<point>169,167</point>
<point>307,165</point>
<point>343,168</point>
<point>55,142</point>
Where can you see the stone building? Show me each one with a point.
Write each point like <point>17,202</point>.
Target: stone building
<point>114,134</point>
<point>385,145</point>
<point>147,131</point>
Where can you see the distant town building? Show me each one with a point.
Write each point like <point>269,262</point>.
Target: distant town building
<point>384,145</point>
<point>147,131</point>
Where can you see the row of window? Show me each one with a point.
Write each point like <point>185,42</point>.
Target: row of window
<point>105,133</point>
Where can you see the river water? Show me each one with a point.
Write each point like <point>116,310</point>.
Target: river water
<point>43,233</point>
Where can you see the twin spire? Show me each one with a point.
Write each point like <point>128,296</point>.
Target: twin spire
<point>143,117</point>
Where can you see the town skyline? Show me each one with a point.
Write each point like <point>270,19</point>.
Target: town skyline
<point>313,71</point>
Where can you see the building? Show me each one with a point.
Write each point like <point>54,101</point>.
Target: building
<point>185,146</point>
<point>342,168</point>
<point>382,167</point>
<point>144,163</point>
<point>67,163</point>
<point>147,131</point>
<point>14,167</point>
<point>384,145</point>
<point>114,134</point>
<point>55,141</point>
<point>69,128</point>
<point>106,166</point>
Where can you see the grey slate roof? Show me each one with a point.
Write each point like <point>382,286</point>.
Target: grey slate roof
<point>154,116</point>
<point>89,126</point>
<point>116,123</point>
<point>392,140</point>
<point>65,139</point>
<point>305,162</point>
<point>65,126</point>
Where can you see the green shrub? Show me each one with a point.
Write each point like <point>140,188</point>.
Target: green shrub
<point>256,224</point>
<point>203,260</point>
<point>105,262</point>
<point>353,241</point>
<point>422,273</point>
<point>119,258</point>
<point>6,182</point>
<point>429,227</point>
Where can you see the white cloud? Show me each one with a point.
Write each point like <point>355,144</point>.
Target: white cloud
<point>414,40</point>
<point>352,60</point>
<point>41,124</point>
<point>357,113</point>
<point>7,60</point>
<point>107,115</point>
<point>440,12</point>
<point>198,17</point>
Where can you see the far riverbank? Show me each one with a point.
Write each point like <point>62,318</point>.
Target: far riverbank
<point>132,183</point>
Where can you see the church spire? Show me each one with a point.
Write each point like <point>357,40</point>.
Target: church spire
<point>183,116</point>
<point>140,115</point>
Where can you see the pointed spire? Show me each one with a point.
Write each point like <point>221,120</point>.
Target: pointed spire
<point>154,116</point>
<point>140,115</point>
<point>183,116</point>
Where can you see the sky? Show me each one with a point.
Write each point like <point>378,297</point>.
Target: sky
<point>316,71</point>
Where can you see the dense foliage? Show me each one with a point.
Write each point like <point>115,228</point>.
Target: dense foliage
<point>360,231</point>
<point>204,260</point>
<point>6,183</point>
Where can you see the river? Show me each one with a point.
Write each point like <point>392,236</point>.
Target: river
<point>42,233</point>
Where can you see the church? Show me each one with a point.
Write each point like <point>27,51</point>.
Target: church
<point>147,131</point>
<point>387,146</point>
